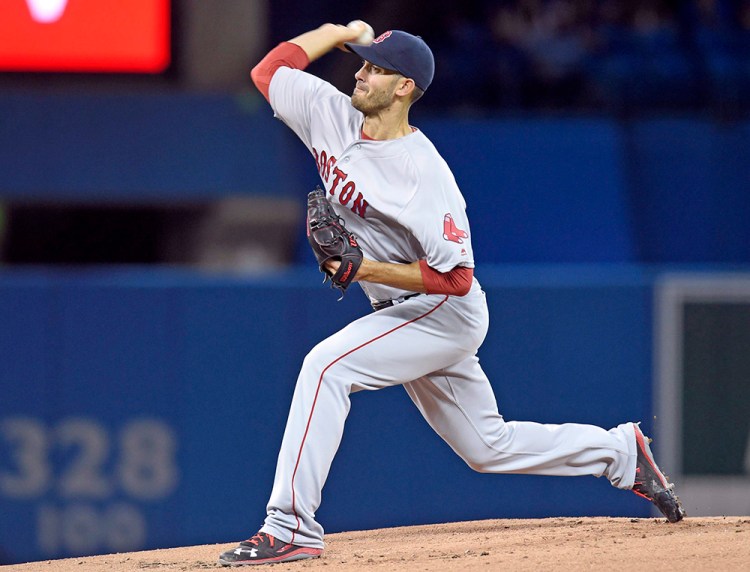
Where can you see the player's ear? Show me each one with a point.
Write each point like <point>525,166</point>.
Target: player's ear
<point>405,86</point>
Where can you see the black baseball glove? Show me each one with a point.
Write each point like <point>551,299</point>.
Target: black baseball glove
<point>330,240</point>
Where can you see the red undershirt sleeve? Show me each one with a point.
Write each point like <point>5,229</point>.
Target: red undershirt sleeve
<point>456,282</point>
<point>285,54</point>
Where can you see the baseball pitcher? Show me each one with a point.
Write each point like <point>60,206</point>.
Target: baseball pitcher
<point>390,216</point>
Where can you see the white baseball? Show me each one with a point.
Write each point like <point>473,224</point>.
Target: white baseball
<point>367,35</point>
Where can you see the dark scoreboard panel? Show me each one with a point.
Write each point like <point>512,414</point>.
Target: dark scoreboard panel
<point>716,388</point>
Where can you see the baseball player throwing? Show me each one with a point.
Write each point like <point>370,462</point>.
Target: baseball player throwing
<point>388,185</point>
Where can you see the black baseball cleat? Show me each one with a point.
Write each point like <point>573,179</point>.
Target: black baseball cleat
<point>266,549</point>
<point>650,482</point>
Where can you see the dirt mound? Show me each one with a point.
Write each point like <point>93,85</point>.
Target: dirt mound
<point>716,543</point>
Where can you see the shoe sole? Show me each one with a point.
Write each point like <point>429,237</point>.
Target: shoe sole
<point>666,501</point>
<point>299,554</point>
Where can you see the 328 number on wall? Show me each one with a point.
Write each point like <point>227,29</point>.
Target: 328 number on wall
<point>140,462</point>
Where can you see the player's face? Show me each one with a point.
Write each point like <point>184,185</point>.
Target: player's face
<point>374,89</point>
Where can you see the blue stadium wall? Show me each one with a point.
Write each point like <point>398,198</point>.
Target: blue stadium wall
<point>144,407</point>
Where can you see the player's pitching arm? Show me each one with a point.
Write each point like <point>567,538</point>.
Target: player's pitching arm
<point>298,52</point>
<point>415,277</point>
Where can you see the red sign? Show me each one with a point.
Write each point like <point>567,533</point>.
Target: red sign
<point>85,35</point>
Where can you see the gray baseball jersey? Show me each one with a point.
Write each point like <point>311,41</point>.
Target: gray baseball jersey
<point>401,200</point>
<point>393,195</point>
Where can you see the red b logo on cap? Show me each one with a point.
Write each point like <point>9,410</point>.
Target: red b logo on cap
<point>382,37</point>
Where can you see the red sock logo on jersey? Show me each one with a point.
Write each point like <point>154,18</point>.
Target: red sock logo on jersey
<point>451,231</point>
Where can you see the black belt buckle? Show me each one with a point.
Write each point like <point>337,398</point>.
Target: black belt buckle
<point>381,305</point>
<point>388,303</point>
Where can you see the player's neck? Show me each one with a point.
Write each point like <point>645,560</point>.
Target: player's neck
<point>381,128</point>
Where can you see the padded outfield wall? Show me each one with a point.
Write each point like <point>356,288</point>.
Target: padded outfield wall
<point>145,409</point>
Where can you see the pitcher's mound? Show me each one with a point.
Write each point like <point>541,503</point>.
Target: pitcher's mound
<point>565,544</point>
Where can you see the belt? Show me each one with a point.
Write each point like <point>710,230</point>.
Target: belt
<point>379,305</point>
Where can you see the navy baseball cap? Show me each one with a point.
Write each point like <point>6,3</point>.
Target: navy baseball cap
<point>399,51</point>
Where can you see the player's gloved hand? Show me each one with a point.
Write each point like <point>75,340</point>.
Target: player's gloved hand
<point>330,240</point>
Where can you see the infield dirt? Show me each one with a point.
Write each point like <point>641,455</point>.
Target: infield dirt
<point>715,543</point>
